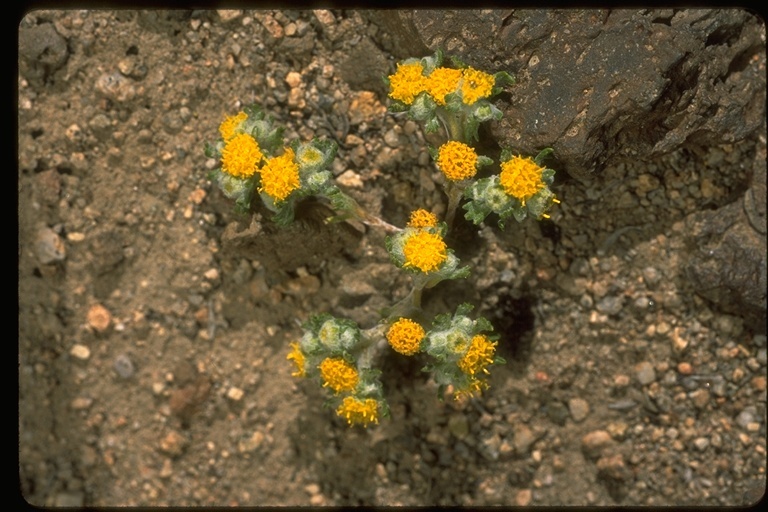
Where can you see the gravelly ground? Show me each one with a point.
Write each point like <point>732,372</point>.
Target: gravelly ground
<point>152,363</point>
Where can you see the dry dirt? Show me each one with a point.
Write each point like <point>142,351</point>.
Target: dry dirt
<point>154,327</point>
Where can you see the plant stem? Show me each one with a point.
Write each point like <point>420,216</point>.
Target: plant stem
<point>351,209</point>
<point>454,192</point>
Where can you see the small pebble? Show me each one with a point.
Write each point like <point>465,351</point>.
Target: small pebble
<point>124,366</point>
<point>613,467</point>
<point>81,403</point>
<point>252,443</point>
<point>595,442</point>
<point>610,305</point>
<point>80,352</point>
<point>173,443</point>
<point>701,443</point>
<point>49,247</point>
<point>458,425</point>
<point>523,497</point>
<point>645,373</point>
<point>235,394</point>
<point>700,398</point>
<point>523,439</point>
<point>99,318</point>
<point>746,416</point>
<point>579,409</point>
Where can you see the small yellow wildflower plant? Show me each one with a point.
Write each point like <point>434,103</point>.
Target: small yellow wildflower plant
<point>458,350</point>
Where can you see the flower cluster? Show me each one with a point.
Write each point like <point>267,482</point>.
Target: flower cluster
<point>462,353</point>
<point>520,190</point>
<point>332,351</point>
<point>454,97</point>
<point>420,248</point>
<point>414,77</point>
<point>254,159</point>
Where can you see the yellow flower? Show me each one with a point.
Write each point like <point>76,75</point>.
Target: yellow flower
<point>359,411</point>
<point>425,251</point>
<point>521,178</point>
<point>442,81</point>
<point>457,161</point>
<point>405,336</point>
<point>407,82</point>
<point>479,355</point>
<point>298,359</point>
<point>474,386</point>
<point>241,156</point>
<point>338,374</point>
<point>280,176</point>
<point>421,218</point>
<point>228,126</point>
<point>475,85</point>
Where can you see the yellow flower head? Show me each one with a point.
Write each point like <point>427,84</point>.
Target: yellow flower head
<point>405,336</point>
<point>474,386</point>
<point>407,82</point>
<point>457,161</point>
<point>475,85</point>
<point>228,126</point>
<point>425,251</point>
<point>298,359</point>
<point>359,411</point>
<point>521,178</point>
<point>442,81</point>
<point>241,156</point>
<point>280,176</point>
<point>421,218</point>
<point>338,374</point>
<point>479,355</point>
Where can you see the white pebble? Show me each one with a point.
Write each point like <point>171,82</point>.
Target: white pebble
<point>80,352</point>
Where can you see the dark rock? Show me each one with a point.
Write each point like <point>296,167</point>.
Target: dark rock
<point>365,68</point>
<point>598,85</point>
<point>398,35</point>
<point>42,51</point>
<point>298,49</point>
<point>728,252</point>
